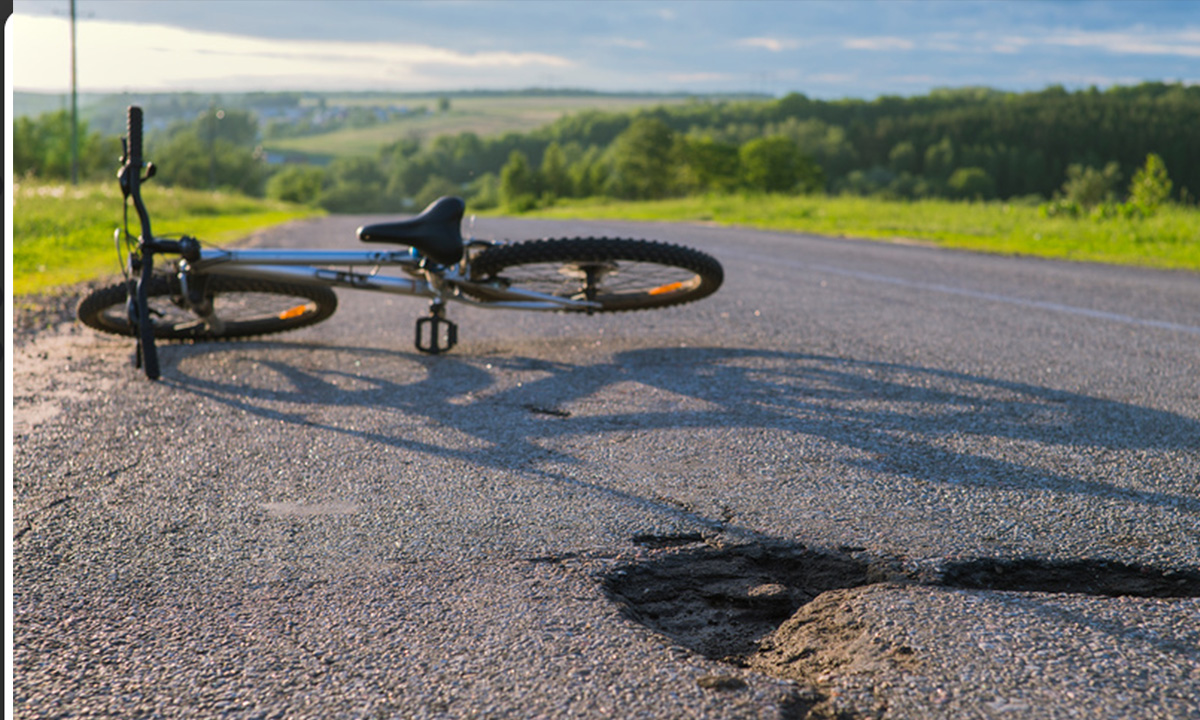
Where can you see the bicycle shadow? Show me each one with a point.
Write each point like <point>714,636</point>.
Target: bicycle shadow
<point>726,602</point>
<point>916,422</point>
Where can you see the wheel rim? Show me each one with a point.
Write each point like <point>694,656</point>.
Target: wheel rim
<point>236,311</point>
<point>611,281</point>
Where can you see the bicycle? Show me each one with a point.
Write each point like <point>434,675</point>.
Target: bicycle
<point>219,294</point>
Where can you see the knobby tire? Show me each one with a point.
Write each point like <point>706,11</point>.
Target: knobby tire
<point>619,274</point>
<point>248,307</point>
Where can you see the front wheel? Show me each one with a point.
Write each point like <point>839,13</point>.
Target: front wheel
<point>615,274</point>
<point>234,307</point>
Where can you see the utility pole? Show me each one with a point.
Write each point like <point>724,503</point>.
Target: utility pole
<point>212,117</point>
<point>74,107</point>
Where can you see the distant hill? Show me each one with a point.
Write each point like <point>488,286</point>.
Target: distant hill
<point>476,111</point>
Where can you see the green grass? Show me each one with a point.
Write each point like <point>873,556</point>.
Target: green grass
<point>1169,239</point>
<point>64,234</point>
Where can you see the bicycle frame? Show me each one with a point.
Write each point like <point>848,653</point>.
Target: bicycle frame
<point>319,267</point>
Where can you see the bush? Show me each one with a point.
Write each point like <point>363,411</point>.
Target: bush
<point>436,187</point>
<point>775,164</point>
<point>484,192</point>
<point>874,181</point>
<point>971,183</point>
<point>642,162</point>
<point>297,184</point>
<point>1088,186</point>
<point>518,182</point>
<point>1151,186</point>
<point>1060,208</point>
<point>354,184</point>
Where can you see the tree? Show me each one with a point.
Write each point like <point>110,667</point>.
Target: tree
<point>409,173</point>
<point>775,164</point>
<point>939,159</point>
<point>436,187</point>
<point>216,150</point>
<point>484,192</point>
<point>297,184</point>
<point>354,184</point>
<point>971,183</point>
<point>518,182</point>
<point>1151,186</point>
<point>556,182</point>
<point>1088,186</point>
<point>707,165</point>
<point>589,173</point>
<point>642,163</point>
<point>903,158</point>
<point>42,148</point>
<point>238,127</point>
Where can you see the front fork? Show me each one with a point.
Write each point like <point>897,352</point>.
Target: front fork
<point>194,296</point>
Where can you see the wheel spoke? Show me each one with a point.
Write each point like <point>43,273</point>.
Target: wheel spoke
<point>239,307</point>
<point>617,274</point>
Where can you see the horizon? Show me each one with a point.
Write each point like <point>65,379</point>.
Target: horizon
<point>855,50</point>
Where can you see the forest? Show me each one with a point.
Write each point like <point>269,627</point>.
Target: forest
<point>1070,149</point>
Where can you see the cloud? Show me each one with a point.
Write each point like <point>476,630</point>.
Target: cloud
<point>117,56</point>
<point>915,79</point>
<point>879,44</point>
<point>845,78</point>
<point>1010,45</point>
<point>699,77</point>
<point>1185,43</point>
<point>626,43</point>
<point>769,43</point>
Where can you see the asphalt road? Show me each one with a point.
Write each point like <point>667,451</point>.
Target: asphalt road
<point>580,517</point>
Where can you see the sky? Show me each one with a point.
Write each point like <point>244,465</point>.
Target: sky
<point>828,50</point>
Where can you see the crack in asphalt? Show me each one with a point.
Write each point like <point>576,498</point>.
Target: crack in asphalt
<point>29,518</point>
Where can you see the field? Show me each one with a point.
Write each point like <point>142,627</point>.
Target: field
<point>1170,239</point>
<point>483,115</point>
<point>64,234</point>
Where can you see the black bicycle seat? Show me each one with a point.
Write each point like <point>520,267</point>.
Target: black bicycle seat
<point>436,233</point>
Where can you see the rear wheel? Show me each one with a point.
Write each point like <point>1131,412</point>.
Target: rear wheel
<point>240,307</point>
<point>617,274</point>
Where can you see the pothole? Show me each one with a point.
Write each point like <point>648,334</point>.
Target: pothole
<point>783,609</point>
<point>720,602</point>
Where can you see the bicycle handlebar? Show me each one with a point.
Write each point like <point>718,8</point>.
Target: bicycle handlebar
<point>132,180</point>
<point>134,127</point>
<point>133,171</point>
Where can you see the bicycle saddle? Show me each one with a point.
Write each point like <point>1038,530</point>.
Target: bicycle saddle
<point>436,232</point>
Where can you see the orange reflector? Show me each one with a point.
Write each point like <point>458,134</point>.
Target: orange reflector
<point>293,312</point>
<point>663,289</point>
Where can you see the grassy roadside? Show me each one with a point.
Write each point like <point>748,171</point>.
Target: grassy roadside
<point>64,235</point>
<point>1170,239</point>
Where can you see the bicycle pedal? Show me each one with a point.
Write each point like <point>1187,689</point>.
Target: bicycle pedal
<point>436,335</point>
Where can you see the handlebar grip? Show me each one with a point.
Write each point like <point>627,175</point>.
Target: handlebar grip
<point>134,126</point>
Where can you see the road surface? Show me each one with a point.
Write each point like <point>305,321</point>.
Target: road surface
<point>877,479</point>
